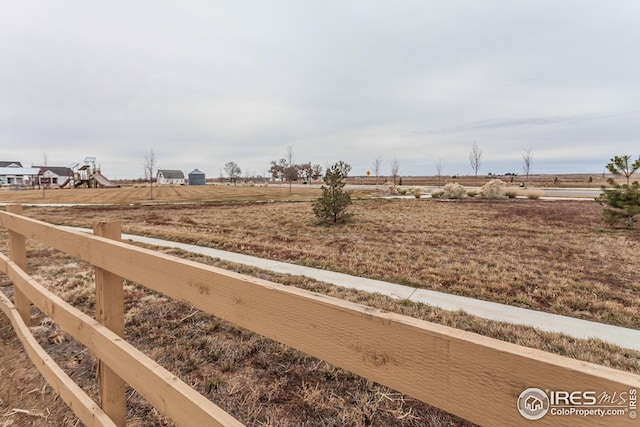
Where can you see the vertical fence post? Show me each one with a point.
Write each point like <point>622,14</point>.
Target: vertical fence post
<point>110,312</point>
<point>19,256</point>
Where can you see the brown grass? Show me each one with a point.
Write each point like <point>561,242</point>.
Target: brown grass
<point>553,256</point>
<point>260,381</point>
<point>550,256</point>
<point>165,194</point>
<point>533,193</point>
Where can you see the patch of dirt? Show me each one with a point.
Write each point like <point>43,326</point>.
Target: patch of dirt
<point>26,400</point>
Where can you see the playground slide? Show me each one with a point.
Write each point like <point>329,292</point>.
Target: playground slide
<point>100,179</point>
<point>65,183</point>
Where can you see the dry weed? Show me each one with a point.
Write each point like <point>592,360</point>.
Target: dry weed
<point>533,194</point>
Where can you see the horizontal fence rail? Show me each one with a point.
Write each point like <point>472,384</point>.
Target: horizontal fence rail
<point>468,375</point>
<point>85,408</point>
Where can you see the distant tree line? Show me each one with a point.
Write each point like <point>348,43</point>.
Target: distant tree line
<point>284,171</point>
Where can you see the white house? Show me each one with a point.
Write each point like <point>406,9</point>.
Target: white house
<point>55,175</point>
<point>12,173</point>
<point>4,164</point>
<point>166,176</point>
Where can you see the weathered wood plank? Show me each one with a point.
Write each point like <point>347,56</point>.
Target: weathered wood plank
<point>110,312</point>
<point>474,377</point>
<point>19,256</point>
<point>161,388</point>
<point>84,408</point>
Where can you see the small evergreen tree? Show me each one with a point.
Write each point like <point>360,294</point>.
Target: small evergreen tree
<point>621,166</point>
<point>332,206</point>
<point>622,201</point>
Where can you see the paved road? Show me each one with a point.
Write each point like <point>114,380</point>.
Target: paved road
<point>624,337</point>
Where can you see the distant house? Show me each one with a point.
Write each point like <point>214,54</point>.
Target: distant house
<point>55,175</point>
<point>4,164</point>
<point>197,177</point>
<point>166,176</point>
<point>12,173</point>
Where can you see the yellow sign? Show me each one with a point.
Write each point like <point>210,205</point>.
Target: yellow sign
<point>368,173</point>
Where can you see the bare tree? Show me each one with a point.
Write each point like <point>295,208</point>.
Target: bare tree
<point>317,172</point>
<point>149,169</point>
<point>277,169</point>
<point>233,171</point>
<point>45,162</point>
<point>344,167</point>
<point>305,170</point>
<point>395,168</point>
<point>291,172</point>
<point>439,167</point>
<point>377,164</point>
<point>289,154</point>
<point>475,157</point>
<point>527,161</point>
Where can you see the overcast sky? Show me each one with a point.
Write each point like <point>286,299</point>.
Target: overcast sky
<point>202,83</point>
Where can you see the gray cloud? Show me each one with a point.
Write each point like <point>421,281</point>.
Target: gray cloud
<point>509,123</point>
<point>205,83</point>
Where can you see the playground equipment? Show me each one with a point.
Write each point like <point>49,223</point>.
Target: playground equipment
<point>88,176</point>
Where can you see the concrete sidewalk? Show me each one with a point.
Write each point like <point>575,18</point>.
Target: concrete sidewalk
<point>624,337</point>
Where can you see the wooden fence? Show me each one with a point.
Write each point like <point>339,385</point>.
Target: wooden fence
<point>471,376</point>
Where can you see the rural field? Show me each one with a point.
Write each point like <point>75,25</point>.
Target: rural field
<point>143,194</point>
<point>553,256</point>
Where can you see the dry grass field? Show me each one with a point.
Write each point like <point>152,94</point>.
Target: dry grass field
<point>546,255</point>
<point>257,380</point>
<point>141,194</point>
<point>550,256</point>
